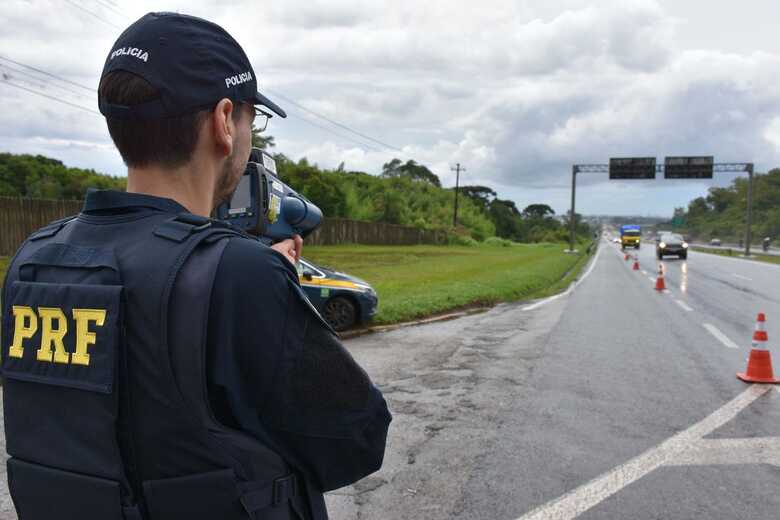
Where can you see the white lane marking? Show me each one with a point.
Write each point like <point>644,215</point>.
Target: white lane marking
<point>644,272</point>
<point>684,305</point>
<point>579,500</point>
<point>571,287</point>
<point>743,277</point>
<point>761,450</point>
<point>712,329</point>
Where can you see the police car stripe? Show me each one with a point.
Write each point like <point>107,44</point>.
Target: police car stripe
<point>325,282</point>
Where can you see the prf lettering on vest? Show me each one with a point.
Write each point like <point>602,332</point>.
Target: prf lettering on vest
<point>54,329</point>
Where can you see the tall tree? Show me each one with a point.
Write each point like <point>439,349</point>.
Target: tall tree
<point>507,219</point>
<point>411,170</point>
<point>537,211</point>
<point>481,195</point>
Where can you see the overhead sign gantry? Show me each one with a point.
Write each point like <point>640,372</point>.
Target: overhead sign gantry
<point>645,168</point>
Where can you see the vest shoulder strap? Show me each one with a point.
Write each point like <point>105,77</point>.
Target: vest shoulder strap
<point>51,229</point>
<point>184,225</point>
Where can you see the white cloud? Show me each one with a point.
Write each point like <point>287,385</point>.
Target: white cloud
<point>516,91</point>
<point>772,133</point>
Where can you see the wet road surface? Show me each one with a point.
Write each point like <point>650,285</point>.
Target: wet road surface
<point>518,412</point>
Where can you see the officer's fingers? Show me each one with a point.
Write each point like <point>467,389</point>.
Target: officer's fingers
<point>287,248</point>
<point>298,247</point>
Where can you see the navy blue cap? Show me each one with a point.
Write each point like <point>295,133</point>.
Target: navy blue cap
<point>191,62</point>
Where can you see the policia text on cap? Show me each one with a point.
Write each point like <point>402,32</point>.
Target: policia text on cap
<point>161,365</point>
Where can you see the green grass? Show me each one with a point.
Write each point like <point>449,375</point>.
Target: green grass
<point>737,254</point>
<point>417,281</point>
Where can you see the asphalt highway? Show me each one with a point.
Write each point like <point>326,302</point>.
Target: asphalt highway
<point>611,401</point>
<point>614,401</point>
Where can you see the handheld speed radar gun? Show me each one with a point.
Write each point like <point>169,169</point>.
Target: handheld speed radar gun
<point>264,206</point>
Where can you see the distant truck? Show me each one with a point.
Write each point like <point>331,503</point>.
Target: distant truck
<point>630,236</point>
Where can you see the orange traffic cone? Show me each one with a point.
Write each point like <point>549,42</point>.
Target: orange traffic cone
<point>760,337</point>
<point>660,285</point>
<point>636,264</point>
<point>759,367</point>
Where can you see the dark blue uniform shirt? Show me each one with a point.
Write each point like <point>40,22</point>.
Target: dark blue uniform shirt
<point>313,403</point>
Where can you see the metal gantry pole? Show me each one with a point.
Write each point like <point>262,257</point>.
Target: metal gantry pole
<point>749,216</point>
<point>574,170</point>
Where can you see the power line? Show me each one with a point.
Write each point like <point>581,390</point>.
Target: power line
<point>304,119</point>
<point>6,82</point>
<point>74,4</point>
<point>296,116</point>
<point>277,94</point>
<point>291,101</point>
<point>331,131</point>
<point>331,121</point>
<point>110,7</point>
<point>37,78</point>
<point>298,105</point>
<point>60,78</point>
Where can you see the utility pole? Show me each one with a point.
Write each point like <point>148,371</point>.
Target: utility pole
<point>457,171</point>
<point>749,216</point>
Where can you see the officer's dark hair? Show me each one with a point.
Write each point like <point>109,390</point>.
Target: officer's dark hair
<point>167,142</point>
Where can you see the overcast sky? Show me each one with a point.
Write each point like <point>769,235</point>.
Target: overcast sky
<point>516,91</point>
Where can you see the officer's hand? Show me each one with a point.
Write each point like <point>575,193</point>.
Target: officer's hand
<point>291,248</point>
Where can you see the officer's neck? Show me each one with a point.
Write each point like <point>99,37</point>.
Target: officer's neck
<point>190,185</point>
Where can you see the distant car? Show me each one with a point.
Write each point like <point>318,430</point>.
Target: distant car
<point>343,300</point>
<point>616,240</point>
<point>715,242</point>
<point>671,244</point>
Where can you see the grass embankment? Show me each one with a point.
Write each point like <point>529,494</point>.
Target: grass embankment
<point>417,281</point>
<point>739,254</point>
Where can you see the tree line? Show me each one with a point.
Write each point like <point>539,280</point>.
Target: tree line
<point>39,177</point>
<point>405,193</point>
<point>409,193</point>
<point>721,213</point>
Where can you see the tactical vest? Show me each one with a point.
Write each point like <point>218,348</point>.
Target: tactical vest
<point>105,418</point>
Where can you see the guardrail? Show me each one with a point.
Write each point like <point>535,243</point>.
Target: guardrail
<point>738,250</point>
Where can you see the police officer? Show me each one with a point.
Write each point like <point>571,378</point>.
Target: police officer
<point>158,364</point>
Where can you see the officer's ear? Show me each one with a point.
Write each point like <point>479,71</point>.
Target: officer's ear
<point>224,126</point>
